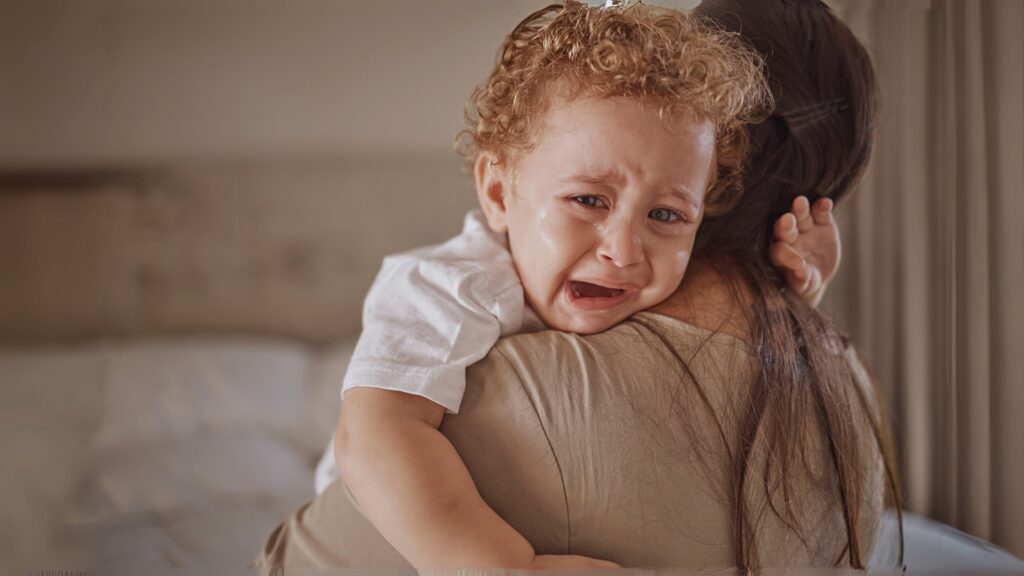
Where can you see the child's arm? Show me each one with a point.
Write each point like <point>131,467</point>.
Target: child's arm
<point>413,486</point>
<point>806,247</point>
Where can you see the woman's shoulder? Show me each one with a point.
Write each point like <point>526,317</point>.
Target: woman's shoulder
<point>634,359</point>
<point>631,372</point>
<point>643,331</point>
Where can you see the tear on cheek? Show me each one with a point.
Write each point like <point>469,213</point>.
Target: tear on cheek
<point>544,232</point>
<point>683,259</point>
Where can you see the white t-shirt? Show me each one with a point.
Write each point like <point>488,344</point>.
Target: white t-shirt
<point>431,313</point>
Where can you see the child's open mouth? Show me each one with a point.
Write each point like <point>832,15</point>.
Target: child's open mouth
<point>588,290</point>
<point>588,296</point>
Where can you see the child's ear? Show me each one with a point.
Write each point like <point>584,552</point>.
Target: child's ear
<point>492,190</point>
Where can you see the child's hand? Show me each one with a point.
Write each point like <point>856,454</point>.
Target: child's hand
<point>569,562</point>
<point>806,247</point>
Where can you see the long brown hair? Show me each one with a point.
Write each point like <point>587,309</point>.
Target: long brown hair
<point>816,143</point>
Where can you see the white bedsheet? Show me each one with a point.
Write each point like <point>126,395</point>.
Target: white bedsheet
<point>159,454</point>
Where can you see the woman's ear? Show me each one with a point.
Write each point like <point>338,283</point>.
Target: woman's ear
<point>492,190</point>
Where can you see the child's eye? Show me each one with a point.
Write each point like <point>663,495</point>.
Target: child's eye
<point>665,215</point>
<point>589,201</point>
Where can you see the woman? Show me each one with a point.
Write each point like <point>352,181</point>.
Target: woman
<point>729,426</point>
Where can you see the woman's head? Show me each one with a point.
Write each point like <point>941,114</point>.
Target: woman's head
<point>600,140</point>
<point>817,140</point>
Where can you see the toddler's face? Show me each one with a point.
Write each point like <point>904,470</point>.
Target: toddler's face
<point>602,213</point>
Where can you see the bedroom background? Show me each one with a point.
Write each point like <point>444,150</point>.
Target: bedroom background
<point>195,196</point>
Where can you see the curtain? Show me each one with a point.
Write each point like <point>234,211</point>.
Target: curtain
<point>931,286</point>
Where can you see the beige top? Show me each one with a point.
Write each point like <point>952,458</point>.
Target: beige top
<point>601,445</point>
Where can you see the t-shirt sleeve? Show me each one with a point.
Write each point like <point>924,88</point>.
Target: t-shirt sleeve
<point>433,312</point>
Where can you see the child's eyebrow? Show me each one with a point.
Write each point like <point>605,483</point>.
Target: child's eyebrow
<point>606,177</point>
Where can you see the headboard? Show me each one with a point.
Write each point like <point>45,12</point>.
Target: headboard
<point>282,247</point>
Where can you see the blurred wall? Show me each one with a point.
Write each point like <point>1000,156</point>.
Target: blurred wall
<point>285,248</point>
<point>127,81</point>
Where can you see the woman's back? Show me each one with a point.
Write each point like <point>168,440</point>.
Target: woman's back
<point>602,445</point>
<point>617,453</point>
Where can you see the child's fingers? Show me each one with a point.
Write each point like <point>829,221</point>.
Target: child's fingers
<point>810,281</point>
<point>802,211</point>
<point>801,272</point>
<point>784,256</point>
<point>800,280</point>
<point>785,228</point>
<point>821,212</point>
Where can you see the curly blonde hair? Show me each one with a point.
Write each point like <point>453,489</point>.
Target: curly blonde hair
<point>660,55</point>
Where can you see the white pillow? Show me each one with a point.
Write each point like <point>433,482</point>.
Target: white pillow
<point>189,424</point>
<point>158,390</point>
<point>183,476</point>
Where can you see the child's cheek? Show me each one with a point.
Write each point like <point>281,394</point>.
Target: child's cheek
<point>545,226</point>
<point>682,261</point>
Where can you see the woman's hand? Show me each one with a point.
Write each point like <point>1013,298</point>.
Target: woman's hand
<point>806,247</point>
<point>569,562</point>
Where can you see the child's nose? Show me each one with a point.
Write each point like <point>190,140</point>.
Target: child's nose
<point>621,245</point>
